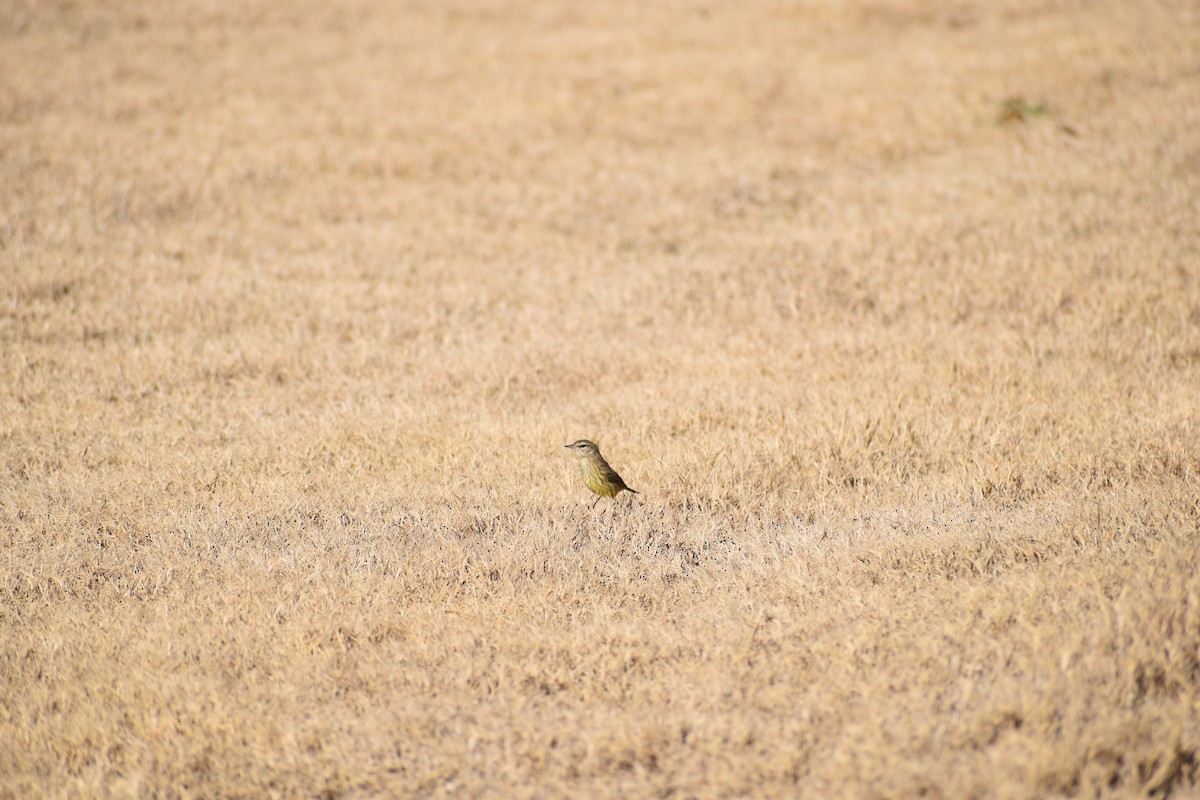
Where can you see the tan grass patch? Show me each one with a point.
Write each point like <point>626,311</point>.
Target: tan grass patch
<point>298,305</point>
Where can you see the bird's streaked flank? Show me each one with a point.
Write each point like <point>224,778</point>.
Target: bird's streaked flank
<point>597,474</point>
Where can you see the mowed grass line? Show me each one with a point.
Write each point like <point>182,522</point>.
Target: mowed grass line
<point>528,659</point>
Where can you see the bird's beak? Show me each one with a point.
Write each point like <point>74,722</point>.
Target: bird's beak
<point>567,446</point>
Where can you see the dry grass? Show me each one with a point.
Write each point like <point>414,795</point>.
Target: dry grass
<point>891,310</point>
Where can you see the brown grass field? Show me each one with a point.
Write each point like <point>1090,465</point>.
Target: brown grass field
<point>889,309</point>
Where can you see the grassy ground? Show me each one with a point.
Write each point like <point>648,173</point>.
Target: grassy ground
<point>890,310</point>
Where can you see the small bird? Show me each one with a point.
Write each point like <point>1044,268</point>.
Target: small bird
<point>597,474</point>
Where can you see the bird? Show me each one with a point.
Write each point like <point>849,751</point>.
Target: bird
<point>597,474</point>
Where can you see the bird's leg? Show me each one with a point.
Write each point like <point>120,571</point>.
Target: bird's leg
<point>597,500</point>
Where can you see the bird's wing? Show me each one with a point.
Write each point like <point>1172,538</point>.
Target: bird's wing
<point>611,476</point>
